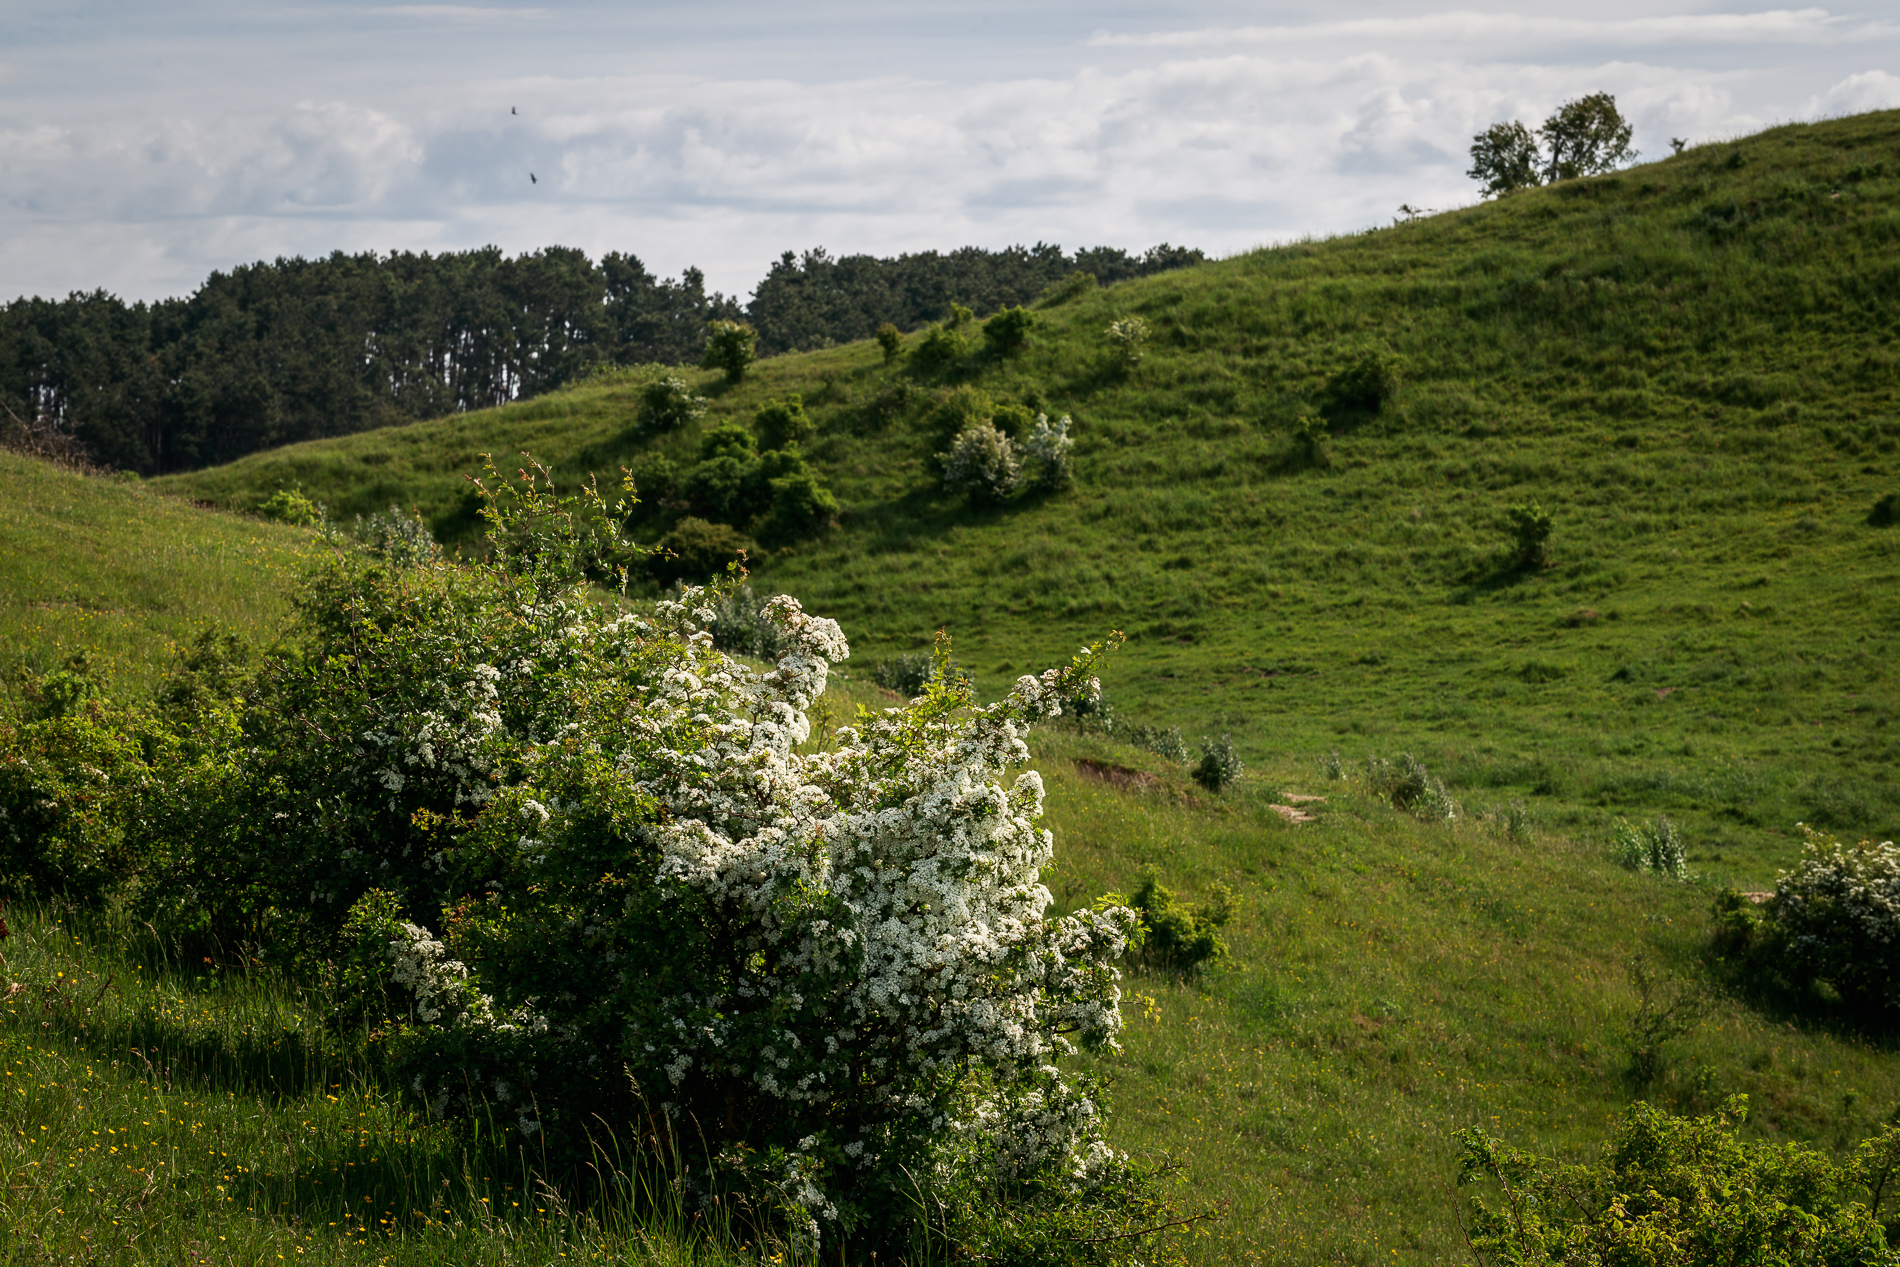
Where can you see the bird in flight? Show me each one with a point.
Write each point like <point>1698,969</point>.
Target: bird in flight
<point>532,180</point>
<point>512,110</point>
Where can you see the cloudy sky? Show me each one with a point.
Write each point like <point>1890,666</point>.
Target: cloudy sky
<point>144,143</point>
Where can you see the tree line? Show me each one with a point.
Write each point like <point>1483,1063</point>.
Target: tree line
<point>277,352</point>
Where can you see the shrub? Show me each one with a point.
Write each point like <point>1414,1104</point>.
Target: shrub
<point>400,537</point>
<point>945,342</point>
<point>1836,918</point>
<point>1531,526</point>
<point>731,347</point>
<point>1657,848</point>
<point>1676,1190</point>
<point>290,506</point>
<point>981,465</point>
<point>913,673</point>
<point>1008,331</point>
<point>1410,787</point>
<point>552,540</point>
<point>1128,337</point>
<point>800,507</point>
<point>1220,765</point>
<point>1050,452</point>
<point>740,930</point>
<point>1886,512</point>
<point>891,340</point>
<point>783,424</point>
<point>736,618</point>
<point>667,403</point>
<point>694,550</point>
<point>1663,1013</point>
<point>1309,438</point>
<point>1368,385</point>
<point>1179,938</point>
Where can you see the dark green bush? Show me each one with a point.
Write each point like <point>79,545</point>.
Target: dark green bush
<point>695,550</point>
<point>1179,938</point>
<point>783,424</point>
<point>911,674</point>
<point>891,340</point>
<point>1531,527</point>
<point>945,342</point>
<point>1368,385</point>
<point>1008,331</point>
<point>1886,512</point>
<point>1220,765</point>
<point>667,403</point>
<point>731,347</point>
<point>290,506</point>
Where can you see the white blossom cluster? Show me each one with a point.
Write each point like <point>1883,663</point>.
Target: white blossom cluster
<point>887,971</point>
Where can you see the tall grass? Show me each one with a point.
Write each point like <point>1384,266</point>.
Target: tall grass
<point>162,1111</point>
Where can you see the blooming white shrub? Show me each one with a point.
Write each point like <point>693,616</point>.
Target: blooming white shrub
<point>982,464</point>
<point>1837,918</point>
<point>1129,337</point>
<point>1051,449</point>
<point>838,965</point>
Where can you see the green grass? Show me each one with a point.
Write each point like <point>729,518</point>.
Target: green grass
<point>154,1111</point>
<point>125,574</point>
<point>1689,363</point>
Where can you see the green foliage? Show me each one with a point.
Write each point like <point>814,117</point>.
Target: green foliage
<point>1886,511</point>
<point>1587,136</point>
<point>945,343</point>
<point>891,340</point>
<point>290,506</point>
<point>398,536</point>
<point>914,673</point>
<point>739,622</point>
<point>1504,157</point>
<point>1128,338</point>
<point>1367,385</point>
<point>1310,437</point>
<point>1179,938</point>
<point>1656,848</point>
<point>731,348</point>
<point>1531,526</point>
<point>694,551</point>
<point>783,424</point>
<point>554,540</point>
<point>1409,786</point>
<point>210,672</point>
<point>1220,765</point>
<point>1664,1012</point>
<point>668,403</point>
<point>1007,332</point>
<point>1673,1190</point>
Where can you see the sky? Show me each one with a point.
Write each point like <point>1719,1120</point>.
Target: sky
<point>145,143</point>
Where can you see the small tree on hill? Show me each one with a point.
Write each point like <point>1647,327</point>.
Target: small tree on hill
<point>731,346</point>
<point>1586,137</point>
<point>1504,156</point>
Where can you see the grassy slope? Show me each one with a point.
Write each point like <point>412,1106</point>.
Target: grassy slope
<point>112,569</point>
<point>1687,362</point>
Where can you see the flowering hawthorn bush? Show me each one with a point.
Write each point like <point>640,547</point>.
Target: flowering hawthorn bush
<point>838,965</point>
<point>1836,918</point>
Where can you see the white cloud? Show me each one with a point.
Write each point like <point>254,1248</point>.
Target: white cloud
<point>1869,90</point>
<point>1474,30</point>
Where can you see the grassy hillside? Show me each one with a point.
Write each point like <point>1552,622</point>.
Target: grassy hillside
<point>117,572</point>
<point>1690,364</point>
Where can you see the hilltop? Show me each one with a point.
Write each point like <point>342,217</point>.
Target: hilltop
<point>1686,363</point>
